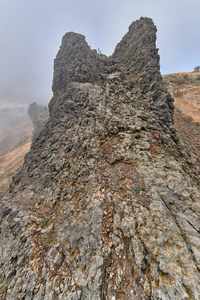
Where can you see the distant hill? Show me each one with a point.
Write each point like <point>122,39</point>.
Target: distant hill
<point>10,164</point>
<point>15,127</point>
<point>18,124</point>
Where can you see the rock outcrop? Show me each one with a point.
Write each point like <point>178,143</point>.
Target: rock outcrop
<point>39,116</point>
<point>106,205</point>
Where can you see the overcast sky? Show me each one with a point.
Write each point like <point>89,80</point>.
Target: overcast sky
<point>31,33</point>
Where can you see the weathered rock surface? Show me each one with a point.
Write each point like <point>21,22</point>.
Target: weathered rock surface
<point>39,116</point>
<point>106,205</point>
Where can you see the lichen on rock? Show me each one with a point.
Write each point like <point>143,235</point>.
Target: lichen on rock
<point>106,205</point>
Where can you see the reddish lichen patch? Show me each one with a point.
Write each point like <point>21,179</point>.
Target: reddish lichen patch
<point>106,145</point>
<point>153,149</point>
<point>155,135</point>
<point>107,223</point>
<point>126,277</point>
<point>120,176</point>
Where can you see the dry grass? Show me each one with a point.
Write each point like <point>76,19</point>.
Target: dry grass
<point>181,74</point>
<point>187,97</point>
<point>10,164</point>
<point>189,102</point>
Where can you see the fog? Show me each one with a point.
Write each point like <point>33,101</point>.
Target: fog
<point>31,33</point>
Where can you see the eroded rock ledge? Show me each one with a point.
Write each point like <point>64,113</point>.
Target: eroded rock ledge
<point>106,205</point>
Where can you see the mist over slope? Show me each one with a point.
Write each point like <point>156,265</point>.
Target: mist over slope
<point>18,127</point>
<point>15,127</point>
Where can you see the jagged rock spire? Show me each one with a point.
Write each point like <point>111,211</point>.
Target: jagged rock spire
<point>106,205</point>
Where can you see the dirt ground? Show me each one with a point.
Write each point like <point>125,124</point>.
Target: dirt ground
<point>188,131</point>
<point>185,89</point>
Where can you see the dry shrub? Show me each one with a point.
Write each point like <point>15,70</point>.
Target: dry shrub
<point>181,80</point>
<point>189,118</point>
<point>177,93</point>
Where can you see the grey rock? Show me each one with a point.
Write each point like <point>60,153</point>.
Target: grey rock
<point>39,116</point>
<point>106,205</point>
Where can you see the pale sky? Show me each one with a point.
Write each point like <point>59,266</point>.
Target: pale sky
<point>31,33</point>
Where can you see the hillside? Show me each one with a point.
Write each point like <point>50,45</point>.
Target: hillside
<point>17,131</point>
<point>15,127</point>
<point>10,164</point>
<point>185,89</point>
<point>107,203</point>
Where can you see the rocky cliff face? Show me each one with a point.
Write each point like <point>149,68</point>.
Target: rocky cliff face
<point>39,116</point>
<point>106,205</point>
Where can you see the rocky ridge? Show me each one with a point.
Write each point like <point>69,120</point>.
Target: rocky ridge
<point>106,205</point>
<point>39,116</point>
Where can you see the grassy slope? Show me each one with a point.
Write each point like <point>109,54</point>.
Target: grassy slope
<point>185,89</point>
<point>10,164</point>
<point>15,128</point>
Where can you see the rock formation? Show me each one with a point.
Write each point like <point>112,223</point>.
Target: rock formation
<point>39,116</point>
<point>106,205</point>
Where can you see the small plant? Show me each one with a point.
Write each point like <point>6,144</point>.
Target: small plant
<point>178,93</point>
<point>99,51</point>
<point>44,222</point>
<point>122,186</point>
<point>189,247</point>
<point>186,240</point>
<point>77,161</point>
<point>50,240</point>
<point>186,77</point>
<point>139,189</point>
<point>181,80</point>
<point>7,282</point>
<point>197,68</point>
<point>184,235</point>
<point>189,118</point>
